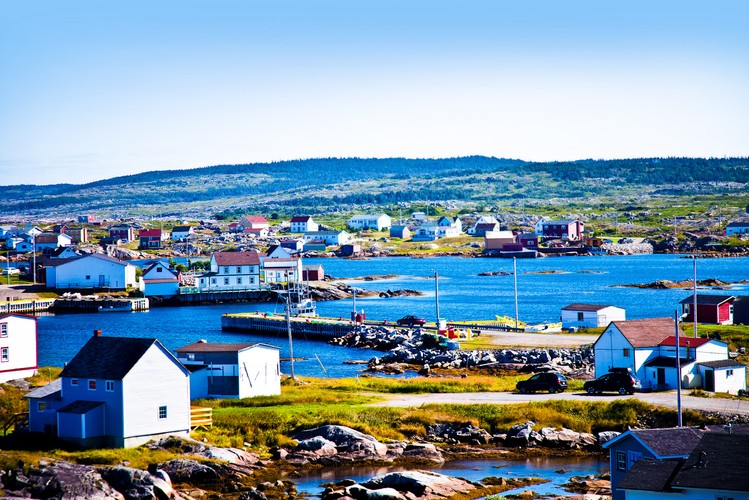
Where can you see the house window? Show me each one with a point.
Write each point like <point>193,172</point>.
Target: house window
<point>729,373</point>
<point>213,281</point>
<point>723,497</point>
<point>158,269</point>
<point>74,382</point>
<point>191,356</point>
<point>621,461</point>
<point>239,281</point>
<point>252,280</point>
<point>3,329</point>
<point>41,406</point>
<point>625,352</point>
<point>239,269</point>
<point>580,316</point>
<point>92,385</point>
<point>88,277</point>
<point>162,412</point>
<point>226,270</point>
<point>109,386</point>
<point>226,281</point>
<point>4,354</point>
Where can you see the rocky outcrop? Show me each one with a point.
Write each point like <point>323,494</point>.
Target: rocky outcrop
<point>62,480</point>
<point>338,445</point>
<point>458,433</point>
<point>404,485</point>
<point>416,347</point>
<point>136,484</point>
<point>524,435</point>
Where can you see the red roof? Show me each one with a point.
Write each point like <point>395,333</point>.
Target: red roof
<point>301,218</point>
<point>646,332</point>
<point>149,233</point>
<point>683,341</point>
<point>237,258</point>
<point>256,218</point>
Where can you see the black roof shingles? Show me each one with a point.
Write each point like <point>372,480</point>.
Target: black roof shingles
<point>107,357</point>
<point>650,475</point>
<point>717,462</point>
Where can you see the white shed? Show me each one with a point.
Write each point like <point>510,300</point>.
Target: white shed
<point>18,350</point>
<point>158,279</point>
<point>91,271</point>
<point>726,375</point>
<point>232,370</point>
<point>591,315</point>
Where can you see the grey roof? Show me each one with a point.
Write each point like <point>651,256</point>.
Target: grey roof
<point>219,347</point>
<point>650,475</point>
<point>717,462</point>
<point>80,407</point>
<point>47,390</point>
<point>107,357</point>
<point>708,300</point>
<point>743,223</point>
<point>722,363</point>
<point>670,442</point>
<point>585,307</point>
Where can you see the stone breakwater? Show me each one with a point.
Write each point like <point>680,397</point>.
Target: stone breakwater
<point>414,347</point>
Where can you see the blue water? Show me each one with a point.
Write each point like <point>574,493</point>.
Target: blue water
<point>474,470</point>
<point>463,295</point>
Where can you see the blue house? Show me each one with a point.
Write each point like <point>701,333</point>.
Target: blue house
<point>116,392</point>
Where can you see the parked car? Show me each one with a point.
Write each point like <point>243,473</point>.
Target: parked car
<point>10,270</point>
<point>546,381</point>
<point>617,380</point>
<point>411,320</point>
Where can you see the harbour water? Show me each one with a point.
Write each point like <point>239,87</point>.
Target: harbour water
<point>557,471</point>
<point>544,287</point>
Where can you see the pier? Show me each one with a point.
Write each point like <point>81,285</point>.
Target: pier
<point>26,306</point>
<point>275,324</point>
<point>94,305</point>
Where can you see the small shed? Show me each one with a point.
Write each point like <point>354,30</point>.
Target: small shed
<point>402,232</point>
<point>725,375</point>
<point>591,315</point>
<point>714,309</point>
<point>349,249</point>
<point>313,272</point>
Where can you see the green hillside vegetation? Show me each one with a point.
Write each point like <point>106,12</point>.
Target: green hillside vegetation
<point>330,186</point>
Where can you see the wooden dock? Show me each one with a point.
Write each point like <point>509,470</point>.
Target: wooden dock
<point>26,306</point>
<point>275,324</point>
<point>93,305</point>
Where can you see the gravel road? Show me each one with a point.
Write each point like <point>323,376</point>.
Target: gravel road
<point>519,339</point>
<point>724,406</point>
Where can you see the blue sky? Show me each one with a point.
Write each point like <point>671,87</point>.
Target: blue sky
<point>95,89</point>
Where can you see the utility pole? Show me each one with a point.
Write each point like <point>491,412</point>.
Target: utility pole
<point>515,279</point>
<point>678,370</point>
<point>437,298</point>
<point>694,295</point>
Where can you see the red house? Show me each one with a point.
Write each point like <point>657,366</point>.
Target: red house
<point>571,230</point>
<point>714,309</point>
<point>313,273</point>
<point>150,238</point>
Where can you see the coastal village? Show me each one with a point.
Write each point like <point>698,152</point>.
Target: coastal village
<point>129,392</point>
<point>106,394</point>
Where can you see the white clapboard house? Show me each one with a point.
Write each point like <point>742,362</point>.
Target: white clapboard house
<point>18,353</point>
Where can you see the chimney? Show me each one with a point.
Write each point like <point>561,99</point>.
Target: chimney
<point>97,333</point>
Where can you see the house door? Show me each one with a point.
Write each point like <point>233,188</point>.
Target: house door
<point>710,380</point>
<point>101,281</point>
<point>661,376</point>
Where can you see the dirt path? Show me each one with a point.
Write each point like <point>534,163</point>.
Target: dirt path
<point>668,399</point>
<point>514,339</point>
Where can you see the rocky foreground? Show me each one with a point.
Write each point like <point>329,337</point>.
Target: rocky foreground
<point>421,348</point>
<point>211,472</point>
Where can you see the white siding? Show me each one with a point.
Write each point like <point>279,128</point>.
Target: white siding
<point>156,380</point>
<point>609,352</point>
<point>261,364</point>
<point>90,272</point>
<point>18,349</point>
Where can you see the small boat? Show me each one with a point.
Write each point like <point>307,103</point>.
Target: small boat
<point>128,307</point>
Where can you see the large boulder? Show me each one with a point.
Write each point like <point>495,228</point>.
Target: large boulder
<point>230,455</point>
<point>183,470</point>
<point>420,484</point>
<point>61,480</point>
<point>346,439</point>
<point>136,484</point>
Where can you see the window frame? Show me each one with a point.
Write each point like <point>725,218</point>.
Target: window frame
<point>163,412</point>
<point>109,385</point>
<point>621,461</point>
<point>91,384</point>
<point>4,354</point>
<point>3,330</point>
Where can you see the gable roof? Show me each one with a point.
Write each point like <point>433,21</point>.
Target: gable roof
<point>664,443</point>
<point>107,357</point>
<point>585,307</point>
<point>219,347</point>
<point>182,229</point>
<point>645,332</point>
<point>237,258</point>
<point>255,218</point>
<point>46,390</point>
<point>17,315</point>
<point>149,233</point>
<point>98,256</point>
<point>650,475</point>
<point>683,341</point>
<point>301,218</point>
<point>708,300</point>
<point>717,462</point>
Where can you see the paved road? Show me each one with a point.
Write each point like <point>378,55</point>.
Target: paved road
<point>726,406</point>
